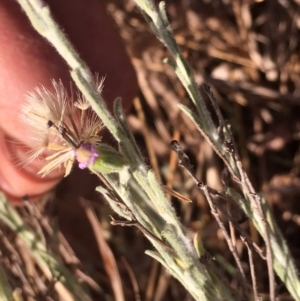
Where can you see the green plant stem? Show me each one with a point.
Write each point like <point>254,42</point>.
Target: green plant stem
<point>283,261</point>
<point>40,16</point>
<point>193,277</point>
<point>159,23</point>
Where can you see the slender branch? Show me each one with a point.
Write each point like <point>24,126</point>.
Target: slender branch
<point>185,163</point>
<point>147,233</point>
<point>248,190</point>
<point>226,236</point>
<point>256,203</point>
<point>252,269</point>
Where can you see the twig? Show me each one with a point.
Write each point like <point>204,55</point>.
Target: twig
<point>143,230</point>
<point>251,263</point>
<point>185,162</point>
<point>248,190</point>
<point>226,236</point>
<point>256,203</point>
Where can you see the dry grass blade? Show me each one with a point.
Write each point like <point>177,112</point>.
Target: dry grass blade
<point>151,281</point>
<point>133,280</point>
<point>162,286</point>
<point>106,254</point>
<point>176,194</point>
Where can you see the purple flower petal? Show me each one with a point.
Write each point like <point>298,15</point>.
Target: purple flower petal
<point>86,155</point>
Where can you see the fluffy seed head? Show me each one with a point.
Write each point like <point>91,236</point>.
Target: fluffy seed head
<point>63,127</point>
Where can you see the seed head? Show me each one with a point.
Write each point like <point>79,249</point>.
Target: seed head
<point>64,128</point>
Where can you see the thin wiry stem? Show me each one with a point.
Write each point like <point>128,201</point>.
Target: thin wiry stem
<point>256,203</point>
<point>185,163</point>
<point>252,269</point>
<point>248,191</point>
<point>226,236</point>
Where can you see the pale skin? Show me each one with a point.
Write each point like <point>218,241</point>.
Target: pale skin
<point>27,61</point>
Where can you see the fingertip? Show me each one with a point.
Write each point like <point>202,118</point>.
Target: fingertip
<point>17,181</point>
